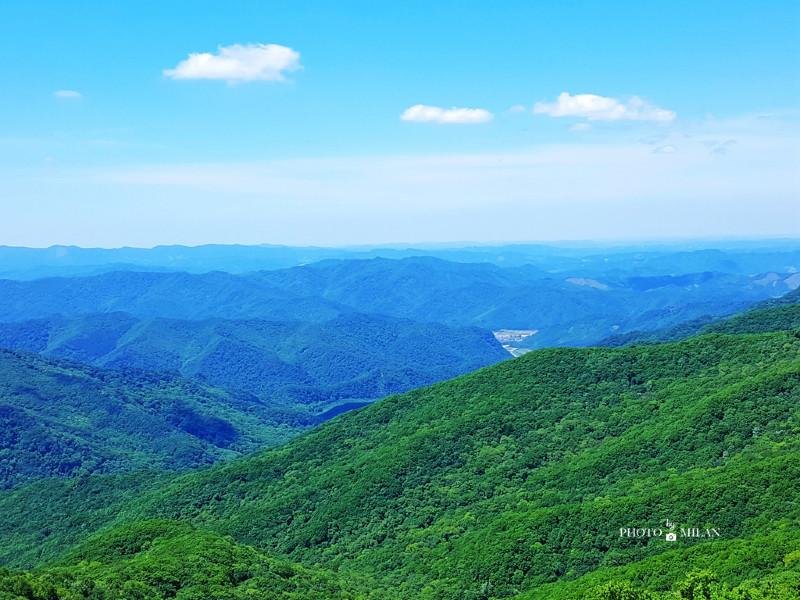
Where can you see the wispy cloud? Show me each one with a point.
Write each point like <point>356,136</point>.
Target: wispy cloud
<point>665,149</point>
<point>602,108</point>
<point>67,95</point>
<point>239,63</point>
<point>580,171</point>
<point>422,113</point>
<point>611,185</point>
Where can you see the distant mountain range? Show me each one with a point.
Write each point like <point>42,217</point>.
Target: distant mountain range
<point>580,259</point>
<point>565,310</point>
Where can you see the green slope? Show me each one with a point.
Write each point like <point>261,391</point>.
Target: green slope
<point>516,479</point>
<point>763,566</point>
<point>522,474</point>
<point>163,559</point>
<point>59,418</point>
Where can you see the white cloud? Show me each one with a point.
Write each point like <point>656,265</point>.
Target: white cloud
<point>67,95</point>
<point>517,109</point>
<point>251,62</point>
<point>602,108</point>
<point>421,113</point>
<point>580,127</point>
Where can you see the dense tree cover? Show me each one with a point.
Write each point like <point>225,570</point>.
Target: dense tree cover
<point>566,307</point>
<point>43,518</point>
<point>313,365</point>
<point>60,418</point>
<point>763,566</point>
<point>513,480</point>
<point>762,320</point>
<point>700,585</point>
<point>162,559</point>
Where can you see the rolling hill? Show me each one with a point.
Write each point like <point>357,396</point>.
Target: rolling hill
<point>65,419</point>
<point>514,481</point>
<point>310,366</point>
<point>162,559</point>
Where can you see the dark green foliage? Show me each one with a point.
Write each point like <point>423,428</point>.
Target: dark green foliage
<point>699,585</point>
<point>763,566</point>
<point>60,418</point>
<point>162,559</point>
<point>618,590</point>
<point>43,518</point>
<point>763,320</point>
<point>516,479</point>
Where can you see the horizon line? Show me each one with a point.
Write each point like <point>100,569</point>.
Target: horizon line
<point>598,242</point>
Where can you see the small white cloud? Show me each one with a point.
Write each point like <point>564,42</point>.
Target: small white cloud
<point>421,113</point>
<point>67,95</point>
<point>602,108</point>
<point>251,62</point>
<point>580,127</point>
<point>517,109</point>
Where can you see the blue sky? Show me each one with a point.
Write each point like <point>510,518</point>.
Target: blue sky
<point>577,120</point>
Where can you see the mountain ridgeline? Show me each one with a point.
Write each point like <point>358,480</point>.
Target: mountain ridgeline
<point>111,393</point>
<point>305,367</point>
<point>777,314</point>
<point>579,260</point>
<point>564,309</point>
<point>516,481</point>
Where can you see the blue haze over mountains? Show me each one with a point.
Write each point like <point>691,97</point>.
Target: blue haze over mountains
<point>214,351</point>
<point>660,258</point>
<point>572,295</point>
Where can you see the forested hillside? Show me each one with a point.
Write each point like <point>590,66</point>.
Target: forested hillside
<point>162,559</point>
<point>306,366</point>
<point>60,418</point>
<point>512,481</point>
